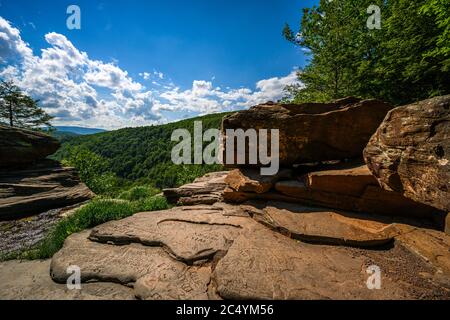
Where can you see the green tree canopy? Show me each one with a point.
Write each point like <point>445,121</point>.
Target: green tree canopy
<point>20,110</point>
<point>406,60</point>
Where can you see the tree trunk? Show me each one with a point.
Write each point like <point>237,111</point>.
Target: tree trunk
<point>11,123</point>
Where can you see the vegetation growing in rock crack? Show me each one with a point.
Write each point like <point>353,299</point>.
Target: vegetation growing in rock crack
<point>96,212</point>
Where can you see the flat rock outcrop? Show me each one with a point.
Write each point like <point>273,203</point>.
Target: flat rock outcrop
<point>410,152</point>
<point>266,265</point>
<point>44,186</point>
<point>22,147</point>
<point>189,234</point>
<point>30,280</point>
<point>255,262</point>
<point>313,132</point>
<point>204,190</point>
<point>158,276</point>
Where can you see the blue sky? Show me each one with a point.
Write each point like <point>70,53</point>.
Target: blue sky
<point>142,62</point>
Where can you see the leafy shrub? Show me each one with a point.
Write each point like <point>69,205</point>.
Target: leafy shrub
<point>97,212</point>
<point>152,204</point>
<point>93,170</point>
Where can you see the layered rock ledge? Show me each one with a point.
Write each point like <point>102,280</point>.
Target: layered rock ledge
<point>44,186</point>
<point>410,152</point>
<point>20,147</point>
<point>312,132</point>
<point>348,187</point>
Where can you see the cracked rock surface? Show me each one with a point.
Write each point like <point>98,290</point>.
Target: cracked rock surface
<point>267,265</point>
<point>187,233</point>
<point>224,251</point>
<point>155,274</point>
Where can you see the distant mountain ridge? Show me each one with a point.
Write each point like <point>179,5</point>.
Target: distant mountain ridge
<point>78,130</point>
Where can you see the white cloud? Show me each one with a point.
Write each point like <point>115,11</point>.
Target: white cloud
<point>160,75</point>
<point>11,44</point>
<point>67,82</point>
<point>204,98</point>
<point>145,75</point>
<point>80,91</point>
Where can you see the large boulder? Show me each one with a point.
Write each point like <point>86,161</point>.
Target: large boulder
<point>410,152</point>
<point>313,132</point>
<point>44,186</point>
<point>20,147</point>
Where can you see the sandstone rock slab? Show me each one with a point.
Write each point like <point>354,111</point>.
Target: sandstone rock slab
<point>20,147</point>
<point>312,132</point>
<point>30,280</point>
<point>431,245</point>
<point>189,234</point>
<point>40,188</point>
<point>267,265</point>
<point>153,272</point>
<point>205,190</point>
<point>107,263</point>
<point>410,152</point>
<point>318,225</point>
<point>171,284</point>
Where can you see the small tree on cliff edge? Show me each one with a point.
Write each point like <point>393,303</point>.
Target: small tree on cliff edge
<point>19,110</point>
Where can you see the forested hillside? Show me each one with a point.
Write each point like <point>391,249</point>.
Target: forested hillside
<point>133,156</point>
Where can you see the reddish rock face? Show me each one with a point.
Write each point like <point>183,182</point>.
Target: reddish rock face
<point>410,152</point>
<point>314,132</point>
<point>19,147</point>
<point>249,180</point>
<point>204,190</point>
<point>348,187</point>
<point>39,188</point>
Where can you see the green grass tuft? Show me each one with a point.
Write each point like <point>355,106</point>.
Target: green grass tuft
<point>97,212</point>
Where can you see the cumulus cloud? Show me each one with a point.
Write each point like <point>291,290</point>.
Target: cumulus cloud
<point>204,98</point>
<point>78,90</point>
<point>11,44</point>
<point>67,82</point>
